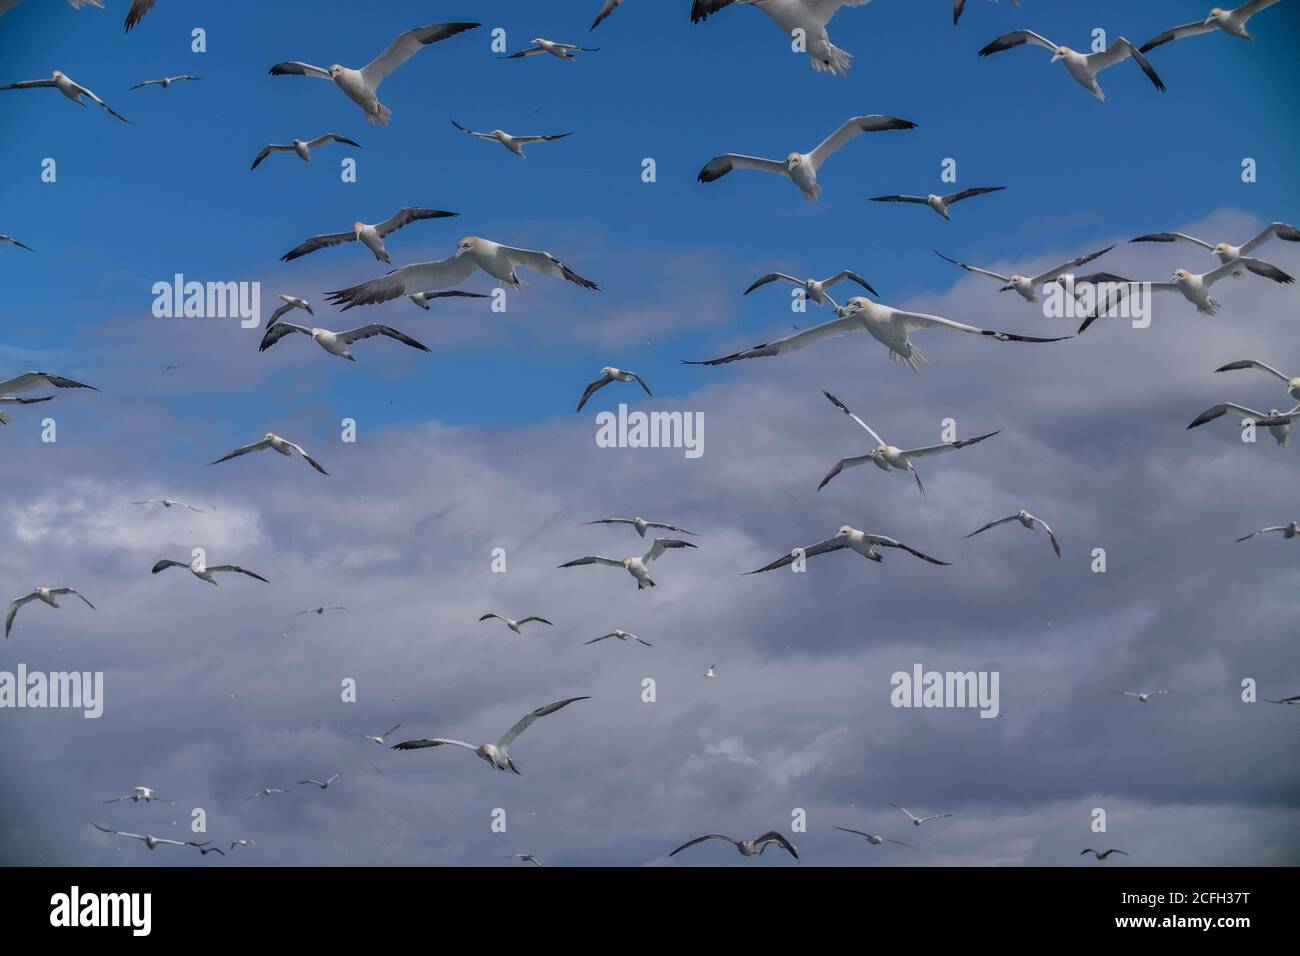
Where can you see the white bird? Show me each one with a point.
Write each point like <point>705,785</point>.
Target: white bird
<point>47,595</point>
<point>362,86</point>
<point>1277,422</point>
<point>264,792</point>
<point>639,568</point>
<point>528,857</point>
<point>422,298</point>
<point>1226,251</point>
<point>336,343</point>
<point>621,635</point>
<point>498,754</point>
<point>138,794</point>
<point>380,738</point>
<point>324,785</point>
<point>203,571</point>
<point>370,235</point>
<point>1195,288</point>
<point>938,203</point>
<point>1288,531</point>
<point>873,838</point>
<point>149,840</point>
<point>1100,854</point>
<point>606,8</point>
<point>801,168</point>
<point>1292,381</point>
<point>610,374</point>
<point>1232,22</point>
<point>886,457</point>
<point>68,87</point>
<point>275,443</point>
<point>291,302</point>
<point>515,144</point>
<point>322,610</point>
<point>10,241</point>
<point>850,538</point>
<point>512,623</point>
<point>564,51</point>
<point>166,81</point>
<point>917,821</point>
<point>1027,286</point>
<point>1144,696</point>
<point>1028,521</point>
<point>710,672</point>
<point>812,289</point>
<point>889,326</point>
<point>809,17</point>
<point>168,503</point>
<point>746,847</point>
<point>472,253</point>
<point>1083,67</point>
<point>960,5</point>
<point>641,524</point>
<point>239,843</point>
<point>301,147</point>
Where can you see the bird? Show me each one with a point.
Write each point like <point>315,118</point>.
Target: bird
<point>322,610</point>
<point>812,289</point>
<point>139,794</point>
<point>1027,286</point>
<point>1288,531</point>
<point>1293,701</point>
<point>641,524</point>
<point>1292,381</point>
<point>917,821</point>
<point>859,542</point>
<point>1142,697</point>
<point>238,843</point>
<point>512,623</point>
<point>960,5</point>
<point>497,755</point>
<point>149,840</point>
<point>204,571</point>
<point>169,503</point>
<point>802,168</point>
<point>711,672</point>
<point>302,147</point>
<point>30,381</point>
<point>1232,22</point>
<point>324,785</point>
<point>746,847</point>
<point>68,87</point>
<point>371,236</point>
<point>564,51</point>
<point>1100,854</point>
<point>606,8</point>
<point>1083,67</point>
<point>889,326</point>
<point>166,81</point>
<point>45,594</point>
<point>874,839</point>
<point>204,849</point>
<point>499,261</point>
<point>10,241</point>
<point>1277,422</point>
<point>639,568</point>
<point>264,792</point>
<point>422,298</point>
<point>1195,287</point>
<point>528,857</point>
<point>291,302</point>
<point>610,374</point>
<point>888,458</point>
<point>380,738</point>
<point>621,635</point>
<point>1029,521</point>
<point>940,204</point>
<point>808,17</point>
<point>362,86</point>
<point>336,343</point>
<point>275,443</point>
<point>515,144</point>
<point>1226,251</point>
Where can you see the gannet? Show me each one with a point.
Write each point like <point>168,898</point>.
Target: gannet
<point>639,568</point>
<point>512,623</point>
<point>515,144</point>
<point>917,821</point>
<point>801,168</point>
<point>1195,288</point>
<point>371,236</point>
<point>362,86</point>
<point>39,594</point>
<point>1083,67</point>
<point>275,443</point>
<point>641,524</point>
<point>336,343</point>
<point>1028,521</point>
<point>809,17</point>
<point>885,456</point>
<point>68,87</point>
<point>138,794</point>
<point>746,847</point>
<point>1142,697</point>
<point>290,302</point>
<point>264,792</point>
<point>1027,286</point>
<point>889,326</point>
<point>379,739</point>
<point>960,5</point>
<point>606,8</point>
<point>622,635</point>
<point>1225,250</point>
<point>873,838</point>
<point>498,754</point>
<point>149,840</point>
<point>324,785</point>
<point>10,241</point>
<point>1100,854</point>
<point>301,147</point>
<point>498,261</point>
<point>813,290</point>
<point>168,503</point>
<point>564,51</point>
<point>610,374</point>
<point>528,857</point>
<point>1292,382</point>
<point>1277,423</point>
<point>1288,531</point>
<point>322,610</point>
<point>940,204</point>
<point>710,672</point>
<point>1232,22</point>
<point>859,542</point>
<point>203,571</point>
<point>422,298</point>
<point>166,81</point>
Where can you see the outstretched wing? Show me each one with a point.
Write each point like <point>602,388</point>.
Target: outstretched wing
<point>592,559</point>
<point>318,242</point>
<point>719,166</point>
<point>993,524</point>
<point>29,381</point>
<point>1178,33</point>
<point>975,269</point>
<point>546,264</point>
<point>137,12</point>
<point>802,339</point>
<point>1217,411</point>
<point>946,446</point>
<point>406,46</point>
<point>331,138</point>
<point>1017,38</point>
<point>1067,266</point>
<point>1120,50</point>
<point>526,721</point>
<point>276,332</point>
<point>832,544</point>
<point>852,129</point>
<point>886,542</point>
<point>663,544</point>
<point>845,409</point>
<point>710,836</point>
<point>1174,237</point>
<point>298,68</point>
<point>405,216</point>
<point>1280,229</point>
<point>417,277</point>
<point>306,457</point>
<point>72,591</point>
<point>772,836</point>
<point>369,331</point>
<point>973,191</point>
<point>245,449</point>
<point>921,320</point>
<point>238,570</point>
<point>168,563</point>
<point>267,151</point>
<point>1251,363</point>
<point>839,467</point>
<point>431,742</point>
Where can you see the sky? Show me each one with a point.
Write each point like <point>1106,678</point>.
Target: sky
<point>212,693</point>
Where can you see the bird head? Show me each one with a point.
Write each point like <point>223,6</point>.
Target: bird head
<point>1181,275</point>
<point>1221,248</point>
<point>57,74</point>
<point>608,370</point>
<point>845,530</point>
<point>536,41</point>
<point>627,562</point>
<point>269,436</point>
<point>1215,13</point>
<point>1061,53</point>
<point>357,227</point>
<point>793,160</point>
<point>335,70</point>
<point>466,245</point>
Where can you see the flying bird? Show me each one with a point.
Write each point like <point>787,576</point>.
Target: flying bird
<point>1226,251</point>
<point>324,785</point>
<point>1288,531</point>
<point>610,374</point>
<point>362,86</point>
<point>1028,521</point>
<point>68,87</point>
<point>515,144</point>
<point>940,204</point>
<point>322,610</point>
<point>1232,22</point>
<point>528,857</point>
<point>873,838</point>
<point>886,457</point>
<point>1083,67</point>
<point>497,754</point>
<point>169,503</point>
<point>139,794</point>
<point>1292,381</point>
<point>808,17</point>
<point>606,8</point>
<point>1027,286</point>
<point>47,595</point>
<point>264,792</point>
<point>1277,422</point>
<point>166,81</point>
<point>711,672</point>
<point>149,840</point>
<point>204,571</point>
<point>1100,854</point>
<point>917,821</point>
<point>812,289</point>
<point>301,147</point>
<point>746,847</point>
<point>1195,287</point>
<point>238,843</point>
<point>622,635</point>
<point>275,443</point>
<point>802,168</point>
<point>639,568</point>
<point>848,537</point>
<point>290,302</point>
<point>336,343</point>
<point>380,738</point>
<point>1142,697</point>
<point>960,5</point>
<point>564,51</point>
<point>371,236</point>
<point>512,623</point>
<point>10,241</point>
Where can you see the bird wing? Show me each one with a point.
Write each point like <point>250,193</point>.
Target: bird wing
<point>168,563</point>
<point>276,332</point>
<point>968,193</point>
<point>592,559</point>
<point>993,524</point>
<point>14,605</point>
<point>831,544</point>
<point>390,730</point>
<point>886,542</point>
<point>921,320</point>
<point>267,151</point>
<point>919,200</point>
<point>244,450</point>
<point>1065,267</point>
<point>546,264</point>
<point>298,68</point>
<point>550,137</point>
<point>540,620</point>
<point>471,132</point>
<point>667,527</point>
<point>527,720</point>
<point>1017,38</point>
<point>27,85</point>
<point>275,316</point>
<point>851,129</point>
<point>1056,545</point>
<point>850,276</point>
<point>772,836</point>
<point>489,616</point>
<point>975,269</point>
<point>663,544</point>
<point>840,466</point>
<point>1217,411</point>
<point>904,809</point>
<point>608,7</point>
<point>331,138</point>
<point>709,836</point>
<point>1251,363</point>
<point>772,277</point>
<point>147,83</point>
<point>858,832</point>
<point>1280,229</point>
<point>432,742</point>
<point>946,446</point>
<point>530,51</point>
<point>238,570</point>
<point>719,166</point>
<point>593,388</point>
<point>1173,237</point>
<point>640,381</point>
<point>405,216</point>
<point>33,380</point>
<point>306,457</point>
<point>369,331</point>
<point>1265,269</point>
<point>72,591</point>
<point>318,242</point>
<point>417,277</point>
<point>845,409</point>
<point>1226,269</point>
<point>406,46</point>
<point>136,13</point>
<point>1178,33</point>
<point>1120,50</point>
<point>790,343</point>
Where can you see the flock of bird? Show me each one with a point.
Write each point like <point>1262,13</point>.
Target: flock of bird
<point>892,327</point>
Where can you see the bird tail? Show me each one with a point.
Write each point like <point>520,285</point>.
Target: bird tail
<point>913,359</point>
<point>832,60</point>
<point>382,116</point>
